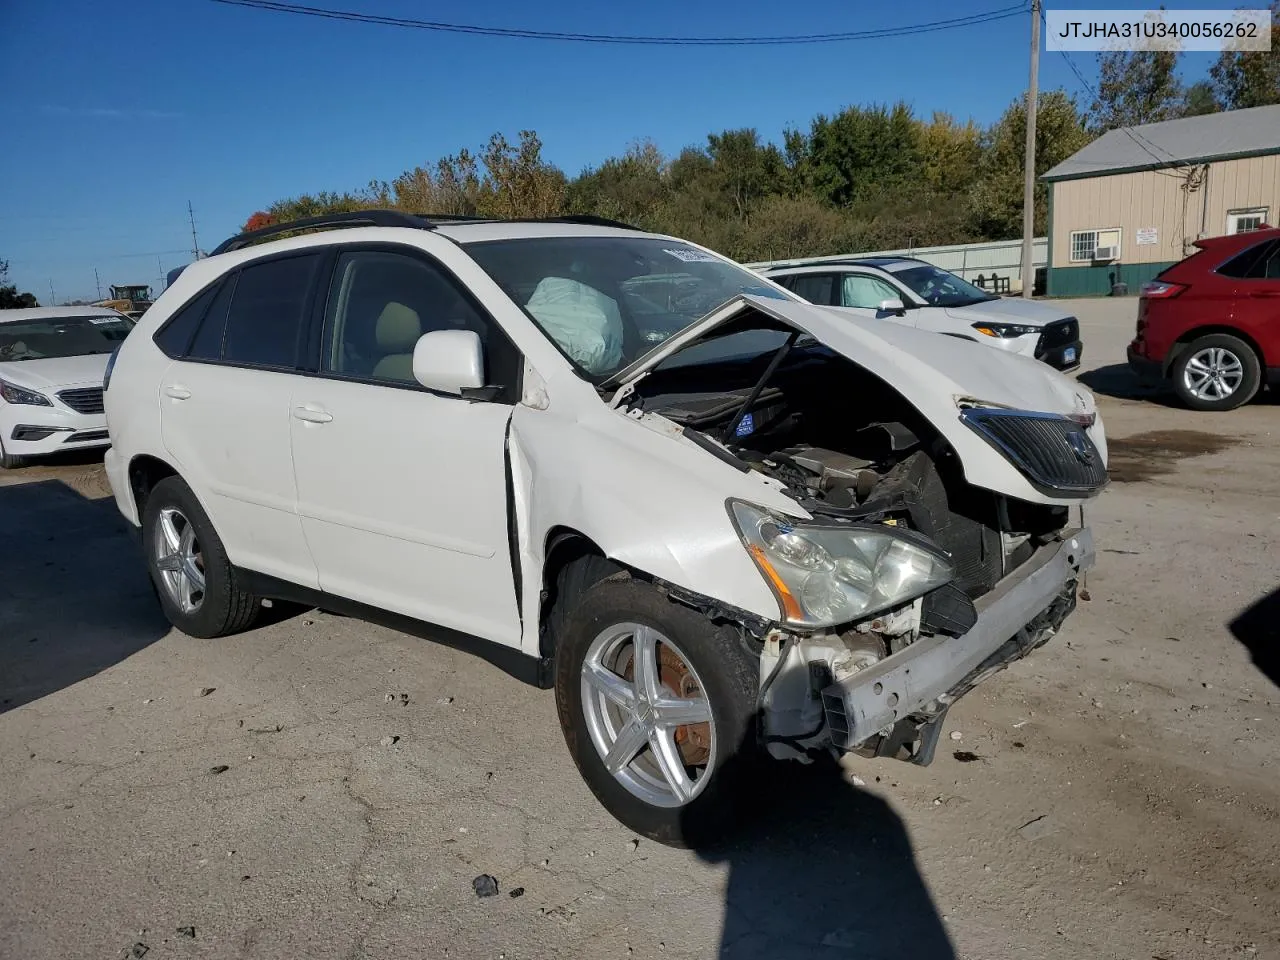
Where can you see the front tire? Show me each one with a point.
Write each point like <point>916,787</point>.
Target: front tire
<point>657,706</point>
<point>1216,372</point>
<point>189,567</point>
<point>9,461</point>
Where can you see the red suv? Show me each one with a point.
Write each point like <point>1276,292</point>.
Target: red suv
<point>1211,324</point>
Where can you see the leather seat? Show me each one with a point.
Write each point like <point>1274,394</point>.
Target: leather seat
<point>396,333</point>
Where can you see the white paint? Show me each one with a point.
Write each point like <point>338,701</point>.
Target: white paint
<point>398,498</point>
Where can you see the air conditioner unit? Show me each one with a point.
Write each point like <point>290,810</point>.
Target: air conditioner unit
<point>1106,253</point>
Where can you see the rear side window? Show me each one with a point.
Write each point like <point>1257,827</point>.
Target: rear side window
<point>207,343</point>
<point>1259,262</point>
<point>174,338</point>
<point>264,324</point>
<point>819,288</point>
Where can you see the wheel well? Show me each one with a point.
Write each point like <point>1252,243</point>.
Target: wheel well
<point>144,473</point>
<point>1186,339</point>
<point>573,563</point>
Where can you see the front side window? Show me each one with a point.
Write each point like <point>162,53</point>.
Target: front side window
<point>607,301</point>
<point>938,288</point>
<point>381,303</point>
<point>51,337</point>
<point>866,291</point>
<point>265,321</point>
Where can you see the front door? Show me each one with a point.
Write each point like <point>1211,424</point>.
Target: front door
<point>224,403</point>
<point>403,492</point>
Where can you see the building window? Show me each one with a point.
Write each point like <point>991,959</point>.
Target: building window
<point>1085,245</point>
<point>1242,221</point>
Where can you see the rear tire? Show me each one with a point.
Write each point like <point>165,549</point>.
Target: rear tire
<point>189,568</point>
<point>678,786</point>
<point>1216,372</point>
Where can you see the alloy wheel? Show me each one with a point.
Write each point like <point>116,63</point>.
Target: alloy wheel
<point>1213,373</point>
<point>648,715</point>
<point>179,560</point>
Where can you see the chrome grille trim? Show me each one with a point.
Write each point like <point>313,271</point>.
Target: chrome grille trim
<point>83,400</point>
<point>1054,453</point>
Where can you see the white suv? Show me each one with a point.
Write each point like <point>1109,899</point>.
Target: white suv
<point>718,520</point>
<point>918,294</point>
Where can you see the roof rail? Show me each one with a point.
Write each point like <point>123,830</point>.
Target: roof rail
<point>355,218</point>
<point>587,220</point>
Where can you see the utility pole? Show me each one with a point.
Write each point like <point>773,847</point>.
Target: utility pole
<point>1029,162</point>
<point>195,244</point>
<point>53,297</point>
<point>97,282</point>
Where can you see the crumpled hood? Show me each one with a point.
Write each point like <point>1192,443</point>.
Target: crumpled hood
<point>1009,310</point>
<point>936,373</point>
<point>56,371</point>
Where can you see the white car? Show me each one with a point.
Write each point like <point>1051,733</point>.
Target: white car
<point>52,361</point>
<point>912,292</point>
<point>716,519</point>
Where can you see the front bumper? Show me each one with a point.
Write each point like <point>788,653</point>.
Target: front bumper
<point>29,431</point>
<point>926,677</point>
<point>1064,357</point>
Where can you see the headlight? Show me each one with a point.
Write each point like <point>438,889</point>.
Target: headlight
<point>828,574</point>
<point>1005,330</point>
<point>13,394</point>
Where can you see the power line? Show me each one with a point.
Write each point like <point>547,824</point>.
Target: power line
<point>1145,145</point>
<point>274,6</point>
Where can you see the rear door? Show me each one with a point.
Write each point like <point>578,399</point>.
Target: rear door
<point>817,288</point>
<point>1257,296</point>
<point>225,402</point>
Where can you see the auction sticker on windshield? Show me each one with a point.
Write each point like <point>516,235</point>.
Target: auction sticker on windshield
<point>692,256</point>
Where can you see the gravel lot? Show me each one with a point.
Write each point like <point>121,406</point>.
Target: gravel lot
<point>1115,796</point>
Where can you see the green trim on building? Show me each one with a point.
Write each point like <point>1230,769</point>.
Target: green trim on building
<point>1096,281</point>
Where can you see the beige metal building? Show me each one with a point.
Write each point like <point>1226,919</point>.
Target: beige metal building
<point>1133,201</point>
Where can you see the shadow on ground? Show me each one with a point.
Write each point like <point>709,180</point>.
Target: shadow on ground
<point>74,594</point>
<point>1258,628</point>
<point>820,868</point>
<point>1118,380</point>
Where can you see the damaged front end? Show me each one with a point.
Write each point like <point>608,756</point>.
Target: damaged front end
<point>926,552</point>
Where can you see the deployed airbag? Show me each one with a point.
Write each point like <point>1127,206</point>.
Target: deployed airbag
<point>583,321</point>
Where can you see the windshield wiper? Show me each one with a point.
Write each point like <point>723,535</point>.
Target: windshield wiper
<point>778,356</point>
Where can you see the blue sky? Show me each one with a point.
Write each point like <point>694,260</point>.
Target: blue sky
<point>117,112</point>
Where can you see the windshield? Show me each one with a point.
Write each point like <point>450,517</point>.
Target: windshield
<point>939,288</point>
<point>607,301</point>
<point>61,337</point>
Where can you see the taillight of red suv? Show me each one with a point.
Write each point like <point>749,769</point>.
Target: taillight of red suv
<point>1161,289</point>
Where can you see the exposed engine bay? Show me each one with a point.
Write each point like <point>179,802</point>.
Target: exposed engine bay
<point>848,448</point>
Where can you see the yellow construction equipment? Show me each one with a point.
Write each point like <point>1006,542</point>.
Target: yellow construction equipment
<point>131,299</point>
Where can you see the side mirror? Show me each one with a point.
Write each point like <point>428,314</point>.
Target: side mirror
<point>892,306</point>
<point>449,361</point>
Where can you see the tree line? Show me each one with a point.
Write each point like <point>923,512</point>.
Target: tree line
<point>865,178</point>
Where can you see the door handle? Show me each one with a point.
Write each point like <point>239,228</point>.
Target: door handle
<point>1268,294</point>
<point>312,414</point>
<point>175,392</point>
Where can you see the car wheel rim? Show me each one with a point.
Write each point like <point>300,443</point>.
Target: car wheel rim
<point>648,715</point>
<point>179,560</point>
<point>1213,373</point>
